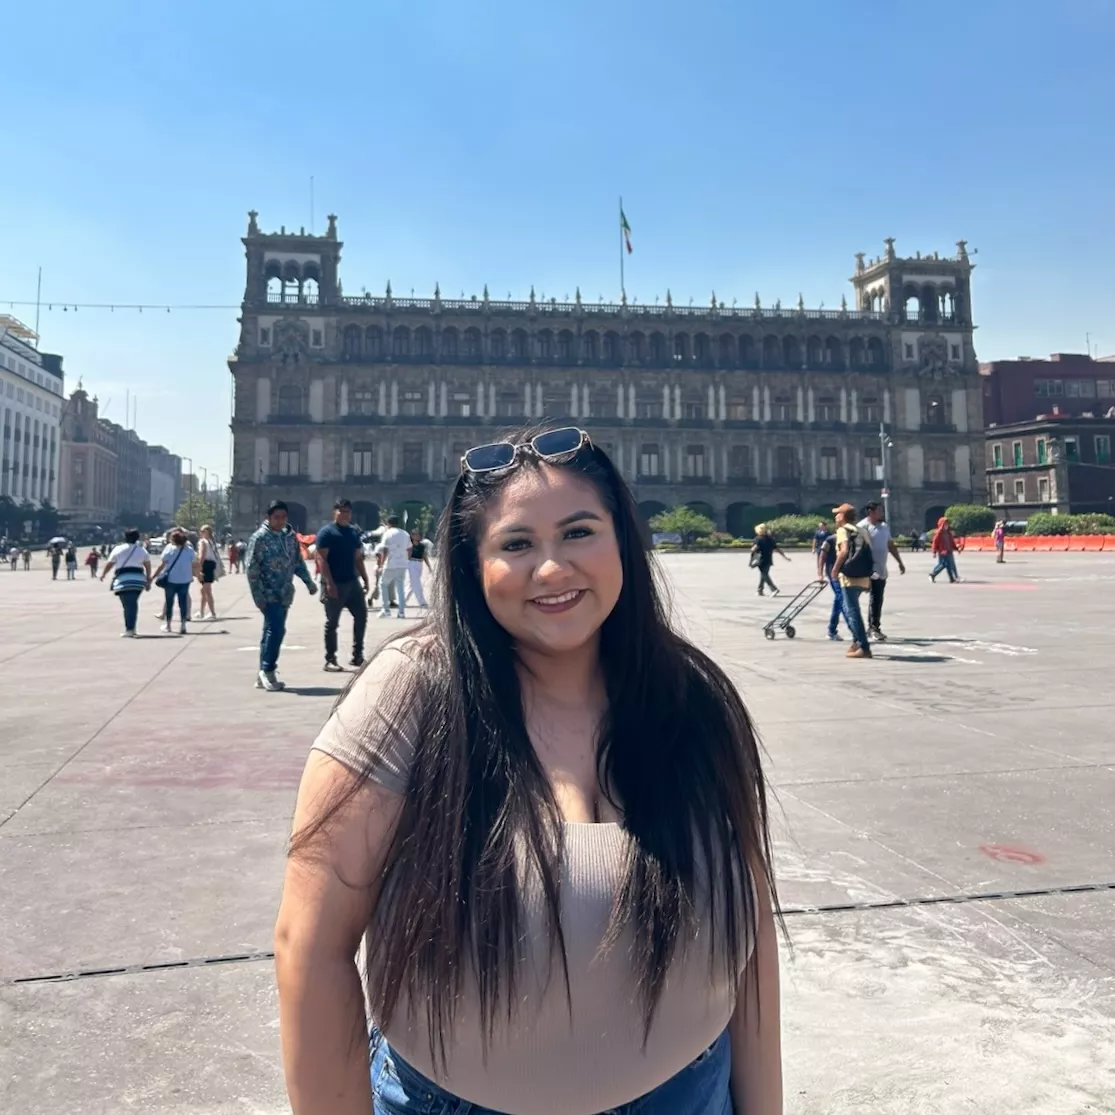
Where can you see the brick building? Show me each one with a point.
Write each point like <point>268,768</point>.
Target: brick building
<point>88,476</point>
<point>724,408</point>
<point>1019,390</point>
<point>1054,463</point>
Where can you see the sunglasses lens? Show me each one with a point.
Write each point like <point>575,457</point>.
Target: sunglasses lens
<point>556,442</point>
<point>486,458</point>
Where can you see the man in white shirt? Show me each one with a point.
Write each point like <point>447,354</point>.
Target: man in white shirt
<point>393,554</point>
<point>882,545</point>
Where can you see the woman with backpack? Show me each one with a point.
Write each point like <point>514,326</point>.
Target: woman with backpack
<point>853,566</point>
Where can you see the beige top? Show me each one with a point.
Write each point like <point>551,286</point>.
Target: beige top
<point>543,1063</point>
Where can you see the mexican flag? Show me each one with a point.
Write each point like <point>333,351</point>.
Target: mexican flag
<point>625,228</point>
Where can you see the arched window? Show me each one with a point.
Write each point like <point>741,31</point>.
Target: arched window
<point>857,353</point>
<point>636,347</point>
<point>681,348</point>
<point>352,342</point>
<point>544,347</point>
<point>472,343</point>
<point>827,408</point>
<point>929,304</point>
<point>565,346</point>
<point>497,344</point>
<point>747,358</point>
<point>519,345</point>
<point>772,352</point>
<point>911,303</point>
<point>935,411</point>
<point>400,341</point>
<point>373,342</point>
<point>611,348</point>
<point>834,354</point>
<point>423,341</point>
<point>870,410</point>
<point>876,357</point>
<point>814,352</point>
<point>657,350</point>
<point>791,352</point>
<point>310,291</point>
<point>590,347</point>
<point>782,408</point>
<point>727,350</point>
<point>702,350</point>
<point>449,344</point>
<point>274,289</point>
<point>291,401</point>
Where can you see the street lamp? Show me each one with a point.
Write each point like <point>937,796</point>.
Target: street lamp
<point>885,443</point>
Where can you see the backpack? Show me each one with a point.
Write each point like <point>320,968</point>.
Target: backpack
<point>860,561</point>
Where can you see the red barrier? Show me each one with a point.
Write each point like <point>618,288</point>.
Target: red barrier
<point>1093,543</point>
<point>1044,543</point>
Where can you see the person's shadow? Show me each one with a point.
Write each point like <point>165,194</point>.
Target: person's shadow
<point>314,690</point>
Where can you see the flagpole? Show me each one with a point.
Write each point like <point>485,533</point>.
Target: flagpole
<point>622,285</point>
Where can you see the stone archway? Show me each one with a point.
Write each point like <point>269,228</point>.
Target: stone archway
<point>932,514</point>
<point>297,516</point>
<point>737,520</point>
<point>702,508</point>
<point>365,514</point>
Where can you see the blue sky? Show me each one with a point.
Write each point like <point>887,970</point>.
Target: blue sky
<point>757,147</point>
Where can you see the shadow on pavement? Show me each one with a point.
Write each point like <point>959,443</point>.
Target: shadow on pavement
<point>912,657</point>
<point>315,690</point>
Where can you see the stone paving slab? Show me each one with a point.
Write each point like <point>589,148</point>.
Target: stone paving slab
<point>146,790</point>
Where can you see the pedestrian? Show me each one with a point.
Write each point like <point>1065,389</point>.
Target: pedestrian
<point>273,560</point>
<point>177,566</point>
<point>233,557</point>
<point>133,576</point>
<point>26,559</point>
<point>826,559</point>
<point>419,559</point>
<point>550,807</point>
<point>944,546</point>
<point>55,561</point>
<point>71,562</point>
<point>999,535</point>
<point>853,566</point>
<point>210,569</point>
<point>393,553</point>
<point>882,547</point>
<point>762,557</point>
<point>93,559</point>
<point>344,580</point>
<point>13,557</point>
<point>820,536</point>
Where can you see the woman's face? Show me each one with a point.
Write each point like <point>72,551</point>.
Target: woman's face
<point>549,560</point>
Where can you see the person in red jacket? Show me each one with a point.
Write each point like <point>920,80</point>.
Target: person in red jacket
<point>944,546</point>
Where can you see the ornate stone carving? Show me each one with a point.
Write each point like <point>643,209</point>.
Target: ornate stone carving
<point>291,341</point>
<point>933,358</point>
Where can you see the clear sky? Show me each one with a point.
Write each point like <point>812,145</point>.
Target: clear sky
<point>757,146</point>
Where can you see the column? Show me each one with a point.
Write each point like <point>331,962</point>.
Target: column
<point>492,399</point>
<point>843,404</point>
<point>631,412</point>
<point>766,403</point>
<point>395,461</point>
<point>538,411</point>
<point>854,413</point>
<point>619,401</point>
<point>724,461</point>
<point>800,411</point>
<point>526,400</point>
<point>479,400</point>
<point>429,458</point>
<point>444,398</point>
<point>666,400</point>
<point>810,409</point>
<point>573,400</point>
<point>723,409</point>
<point>383,398</point>
<point>756,409</point>
<point>317,400</point>
<point>886,405</point>
<point>665,466</point>
<point>813,464</point>
<point>711,458</point>
<point>770,464</point>
<point>681,473</point>
<point>844,463</point>
<point>677,400</point>
<point>344,397</point>
<point>711,402</point>
<point>431,400</point>
<point>585,412</point>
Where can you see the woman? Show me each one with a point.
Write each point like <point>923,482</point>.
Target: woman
<point>762,557</point>
<point>999,536</point>
<point>71,562</point>
<point>93,559</point>
<point>418,560</point>
<point>209,559</point>
<point>179,562</point>
<point>564,889</point>
<point>133,576</point>
<point>944,546</point>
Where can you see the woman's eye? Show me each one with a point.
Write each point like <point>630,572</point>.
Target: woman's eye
<point>578,532</point>
<point>515,545</point>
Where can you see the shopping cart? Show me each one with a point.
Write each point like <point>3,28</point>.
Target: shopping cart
<point>785,619</point>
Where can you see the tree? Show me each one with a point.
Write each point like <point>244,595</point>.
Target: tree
<point>201,508</point>
<point>970,518</point>
<point>684,521</point>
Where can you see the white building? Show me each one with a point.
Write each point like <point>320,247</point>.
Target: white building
<point>166,481</point>
<point>31,402</point>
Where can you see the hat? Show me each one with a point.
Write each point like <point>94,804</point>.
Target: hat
<point>844,509</point>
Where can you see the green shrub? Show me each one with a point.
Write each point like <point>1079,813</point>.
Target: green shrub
<point>1092,523</point>
<point>683,520</point>
<point>792,528</point>
<point>970,518</point>
<point>1042,523</point>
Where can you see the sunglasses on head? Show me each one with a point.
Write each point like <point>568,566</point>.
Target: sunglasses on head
<point>554,445</point>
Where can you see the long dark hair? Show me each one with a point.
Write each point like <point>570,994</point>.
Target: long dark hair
<point>676,751</point>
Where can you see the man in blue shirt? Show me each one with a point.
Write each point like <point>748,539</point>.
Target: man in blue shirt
<point>340,557</point>
<point>826,558</point>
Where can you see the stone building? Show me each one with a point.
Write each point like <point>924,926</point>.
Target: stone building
<point>729,409</point>
<point>88,489</point>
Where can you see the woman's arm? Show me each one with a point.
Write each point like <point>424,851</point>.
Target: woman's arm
<point>329,894</point>
<point>756,1027</point>
<point>108,565</point>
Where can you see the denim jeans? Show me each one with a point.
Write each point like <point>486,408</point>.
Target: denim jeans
<point>350,595</point>
<point>837,606</point>
<point>875,609</point>
<point>274,628</point>
<point>393,581</point>
<point>179,593</point>
<point>129,601</point>
<point>946,563</point>
<point>764,579</point>
<point>701,1088</point>
<point>852,614</point>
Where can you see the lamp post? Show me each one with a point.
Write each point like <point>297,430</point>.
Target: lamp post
<point>885,443</point>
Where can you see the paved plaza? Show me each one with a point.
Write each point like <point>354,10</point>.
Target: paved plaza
<point>146,790</point>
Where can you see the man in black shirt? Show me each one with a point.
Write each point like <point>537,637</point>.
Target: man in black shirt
<point>340,556</point>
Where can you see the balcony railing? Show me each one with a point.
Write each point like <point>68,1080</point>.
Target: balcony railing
<point>412,478</point>
<point>937,428</point>
<point>358,478</point>
<point>278,478</point>
<point>652,478</point>
<point>300,419</point>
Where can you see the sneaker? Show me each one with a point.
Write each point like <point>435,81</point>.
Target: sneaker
<point>877,635</point>
<point>332,666</point>
<point>166,628</point>
<point>127,634</point>
<point>182,628</point>
<point>266,679</point>
<point>384,615</point>
<point>356,660</point>
<point>402,615</point>
<point>836,637</point>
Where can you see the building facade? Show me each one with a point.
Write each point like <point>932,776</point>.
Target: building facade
<point>166,482</point>
<point>89,472</point>
<point>1056,463</point>
<point>31,403</point>
<point>1073,383</point>
<point>728,409</point>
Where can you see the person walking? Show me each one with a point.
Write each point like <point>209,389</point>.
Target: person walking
<point>26,560</point>
<point>394,554</point>
<point>826,559</point>
<point>92,560</point>
<point>762,557</point>
<point>999,536</point>
<point>210,569</point>
<point>71,562</point>
<point>344,579</point>
<point>418,561</point>
<point>233,557</point>
<point>944,546</point>
<point>272,561</point>
<point>853,566</point>
<point>882,547</point>
<point>13,557</point>
<point>55,561</point>
<point>132,563</point>
<point>177,566</point>
<point>571,889</point>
